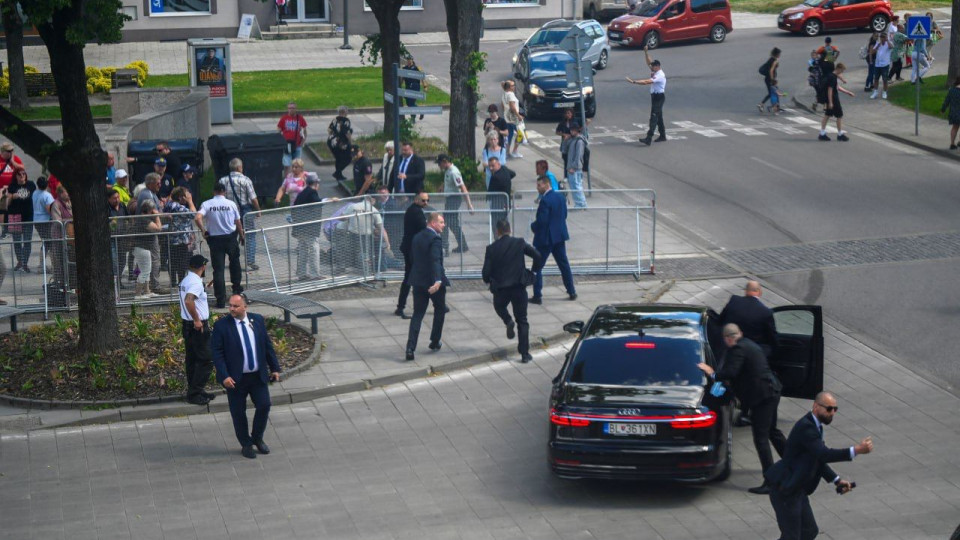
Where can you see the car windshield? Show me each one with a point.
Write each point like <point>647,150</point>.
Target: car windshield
<point>552,63</point>
<point>640,349</point>
<point>649,8</point>
<point>548,36</point>
<point>812,3</point>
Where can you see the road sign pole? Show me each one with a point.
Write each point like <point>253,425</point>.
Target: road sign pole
<point>583,107</point>
<point>346,26</point>
<point>920,28</point>
<point>396,118</point>
<point>916,111</point>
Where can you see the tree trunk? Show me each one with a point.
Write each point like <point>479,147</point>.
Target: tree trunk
<point>13,28</point>
<point>464,23</point>
<point>953,70</point>
<point>387,13</point>
<point>80,164</point>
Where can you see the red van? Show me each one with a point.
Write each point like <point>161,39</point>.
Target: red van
<point>659,21</point>
<point>815,16</point>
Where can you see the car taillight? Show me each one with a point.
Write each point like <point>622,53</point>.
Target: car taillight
<point>694,421</point>
<point>565,420</point>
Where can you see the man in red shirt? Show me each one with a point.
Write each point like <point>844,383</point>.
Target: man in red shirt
<point>293,127</point>
<point>8,162</point>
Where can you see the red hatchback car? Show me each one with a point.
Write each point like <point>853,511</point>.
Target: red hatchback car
<point>815,16</point>
<point>661,21</point>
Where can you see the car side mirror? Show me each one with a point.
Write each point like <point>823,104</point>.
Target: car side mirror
<point>574,327</point>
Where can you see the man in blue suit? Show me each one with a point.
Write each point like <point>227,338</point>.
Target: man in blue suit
<point>805,461</point>
<point>549,237</point>
<point>429,282</point>
<point>245,362</point>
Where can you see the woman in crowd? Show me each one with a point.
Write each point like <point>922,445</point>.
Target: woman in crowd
<point>495,122</point>
<point>180,238</point>
<point>386,164</point>
<point>511,113</point>
<point>339,140</point>
<point>20,217</point>
<point>492,149</point>
<point>293,184</point>
<point>62,211</point>
<point>145,229</point>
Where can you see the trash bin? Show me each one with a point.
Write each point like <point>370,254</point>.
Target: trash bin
<point>262,156</point>
<point>145,153</point>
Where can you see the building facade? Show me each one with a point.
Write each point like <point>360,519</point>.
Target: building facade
<point>171,20</point>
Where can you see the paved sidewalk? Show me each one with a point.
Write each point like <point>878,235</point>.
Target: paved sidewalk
<point>460,455</point>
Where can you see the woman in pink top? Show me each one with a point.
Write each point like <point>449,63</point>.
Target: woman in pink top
<point>294,183</point>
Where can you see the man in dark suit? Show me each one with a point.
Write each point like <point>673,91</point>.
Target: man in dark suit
<point>795,477</point>
<point>410,172</point>
<point>549,237</point>
<point>756,322</point>
<point>504,269</point>
<point>745,368</point>
<point>245,362</point>
<point>429,282</point>
<point>414,221</point>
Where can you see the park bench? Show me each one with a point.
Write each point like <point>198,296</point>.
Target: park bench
<point>300,307</point>
<point>40,84</point>
<point>123,77</point>
<point>12,313</point>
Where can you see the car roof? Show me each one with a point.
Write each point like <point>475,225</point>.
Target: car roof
<point>630,318</point>
<point>566,23</point>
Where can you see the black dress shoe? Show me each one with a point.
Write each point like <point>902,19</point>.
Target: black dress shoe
<point>742,421</point>
<point>399,313</point>
<point>436,346</point>
<point>247,452</point>
<point>573,296</point>
<point>409,357</point>
<point>646,140</point>
<point>760,490</point>
<point>198,400</point>
<point>262,447</point>
<point>525,358</point>
<point>661,138</point>
<point>446,309</point>
<point>510,333</point>
<point>208,395</point>
<point>536,300</point>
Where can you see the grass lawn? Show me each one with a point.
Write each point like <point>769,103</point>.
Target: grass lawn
<point>932,93</point>
<point>310,88</point>
<point>52,112</point>
<point>776,6</point>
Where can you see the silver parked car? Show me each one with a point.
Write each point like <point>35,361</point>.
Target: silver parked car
<point>552,33</point>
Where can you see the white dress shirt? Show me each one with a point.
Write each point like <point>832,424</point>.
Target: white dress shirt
<point>246,325</point>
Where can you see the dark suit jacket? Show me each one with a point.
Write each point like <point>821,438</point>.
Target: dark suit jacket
<point>805,459</point>
<point>416,172</point>
<point>550,227</point>
<point>503,265</point>
<point>227,347</point>
<point>427,255</point>
<point>502,182</point>
<point>746,368</point>
<point>414,221</point>
<point>754,319</point>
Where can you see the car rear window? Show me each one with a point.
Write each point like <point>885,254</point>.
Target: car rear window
<point>550,36</point>
<point>649,349</point>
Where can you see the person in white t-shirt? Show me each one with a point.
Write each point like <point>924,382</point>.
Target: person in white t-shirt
<point>224,234</point>
<point>658,87</point>
<point>881,64</point>
<point>511,113</point>
<point>194,314</point>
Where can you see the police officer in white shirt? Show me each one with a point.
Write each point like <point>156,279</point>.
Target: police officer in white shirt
<point>658,87</point>
<point>239,189</point>
<point>223,232</point>
<point>194,313</point>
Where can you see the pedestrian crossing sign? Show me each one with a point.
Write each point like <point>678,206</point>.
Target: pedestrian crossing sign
<point>919,27</point>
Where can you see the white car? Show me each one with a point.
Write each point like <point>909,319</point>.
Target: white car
<point>551,34</point>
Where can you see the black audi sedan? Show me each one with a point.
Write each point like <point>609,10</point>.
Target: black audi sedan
<point>630,402</point>
<point>542,83</point>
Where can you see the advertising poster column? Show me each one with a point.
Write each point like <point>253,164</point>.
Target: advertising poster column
<point>209,63</point>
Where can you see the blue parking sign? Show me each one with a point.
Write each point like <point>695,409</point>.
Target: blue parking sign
<point>918,27</point>
<point>156,6</point>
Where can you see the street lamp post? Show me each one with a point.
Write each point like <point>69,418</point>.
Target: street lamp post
<point>346,27</point>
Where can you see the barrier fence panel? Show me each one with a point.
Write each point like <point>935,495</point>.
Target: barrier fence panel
<point>615,234</point>
<point>40,247</point>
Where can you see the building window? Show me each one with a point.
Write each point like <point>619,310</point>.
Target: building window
<point>499,3</point>
<point>162,8</point>
<point>407,4</point>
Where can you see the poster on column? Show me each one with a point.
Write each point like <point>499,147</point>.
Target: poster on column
<point>211,71</point>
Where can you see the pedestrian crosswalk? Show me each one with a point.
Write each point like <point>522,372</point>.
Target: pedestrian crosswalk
<point>786,123</point>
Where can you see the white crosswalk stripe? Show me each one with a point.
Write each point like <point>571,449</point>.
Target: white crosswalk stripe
<point>750,132</point>
<point>712,133</point>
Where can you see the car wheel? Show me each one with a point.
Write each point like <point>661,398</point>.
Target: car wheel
<point>812,27</point>
<point>728,466</point>
<point>718,33</point>
<point>652,40</point>
<point>604,59</point>
<point>878,23</point>
<point>528,107</point>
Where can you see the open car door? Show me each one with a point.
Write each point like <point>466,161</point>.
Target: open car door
<point>798,358</point>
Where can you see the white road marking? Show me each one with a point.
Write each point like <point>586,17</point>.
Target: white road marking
<point>776,168</point>
<point>750,132</point>
<point>727,123</point>
<point>531,134</point>
<point>688,125</point>
<point>709,133</point>
<point>893,145</point>
<point>802,120</point>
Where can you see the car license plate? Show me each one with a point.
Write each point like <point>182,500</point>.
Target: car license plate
<point>615,35</point>
<point>564,105</point>
<point>631,429</point>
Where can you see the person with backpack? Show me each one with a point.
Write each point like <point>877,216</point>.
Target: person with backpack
<point>769,71</point>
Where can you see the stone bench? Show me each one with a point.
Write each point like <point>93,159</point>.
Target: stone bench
<point>300,307</point>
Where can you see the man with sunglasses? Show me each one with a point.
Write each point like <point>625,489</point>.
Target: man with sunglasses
<point>795,477</point>
<point>414,221</point>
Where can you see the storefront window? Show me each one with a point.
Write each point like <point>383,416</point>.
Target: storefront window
<point>179,7</point>
<point>407,4</point>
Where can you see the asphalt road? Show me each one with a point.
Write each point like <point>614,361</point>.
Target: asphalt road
<point>732,179</point>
